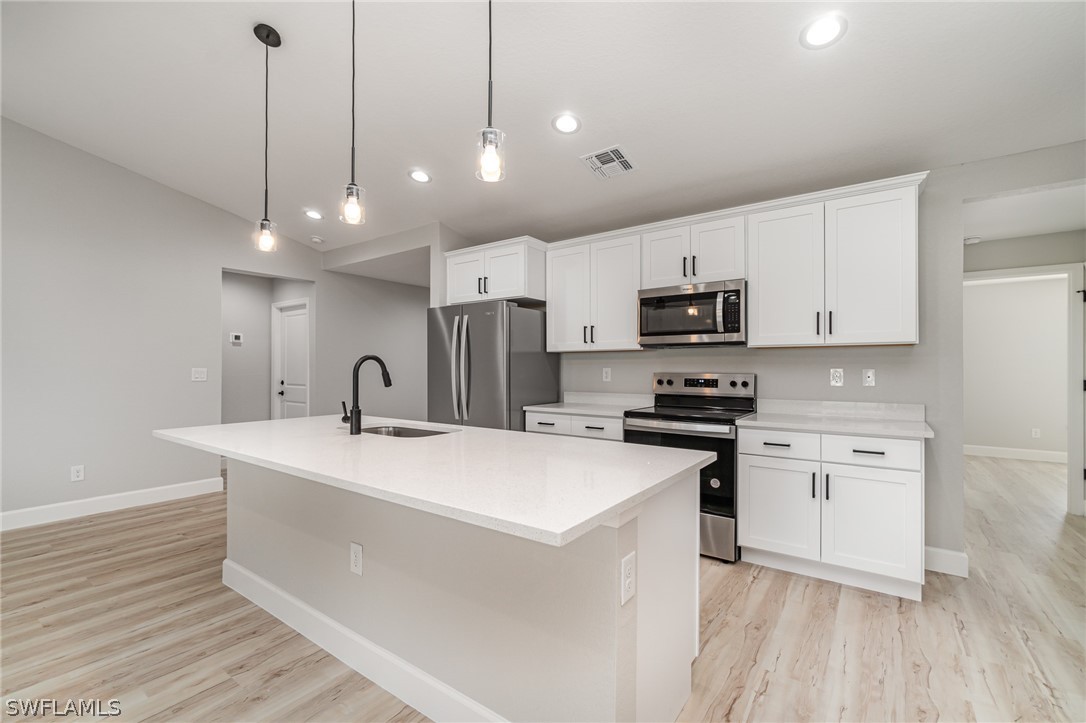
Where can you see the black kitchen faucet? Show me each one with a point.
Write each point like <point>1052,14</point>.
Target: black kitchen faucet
<point>355,415</point>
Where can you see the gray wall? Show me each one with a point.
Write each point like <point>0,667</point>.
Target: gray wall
<point>110,298</point>
<point>998,414</point>
<point>246,368</point>
<point>929,373</point>
<point>1011,253</point>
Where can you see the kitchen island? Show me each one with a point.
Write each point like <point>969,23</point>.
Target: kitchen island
<point>490,583</point>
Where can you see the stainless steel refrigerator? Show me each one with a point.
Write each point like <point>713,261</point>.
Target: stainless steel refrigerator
<point>485,362</point>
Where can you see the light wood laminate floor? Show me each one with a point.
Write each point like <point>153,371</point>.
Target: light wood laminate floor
<point>130,605</point>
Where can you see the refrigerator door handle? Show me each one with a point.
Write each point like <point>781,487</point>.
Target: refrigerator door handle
<point>452,369</point>
<point>465,389</point>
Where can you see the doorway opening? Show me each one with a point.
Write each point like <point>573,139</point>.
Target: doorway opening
<point>1023,342</point>
<point>267,347</point>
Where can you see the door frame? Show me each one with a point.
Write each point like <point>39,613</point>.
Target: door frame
<point>1076,369</point>
<point>277,309</point>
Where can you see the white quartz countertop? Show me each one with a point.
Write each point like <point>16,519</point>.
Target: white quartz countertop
<point>587,409</point>
<point>547,488</point>
<point>904,421</point>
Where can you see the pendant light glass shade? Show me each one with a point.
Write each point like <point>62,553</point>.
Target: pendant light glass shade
<point>353,208</point>
<point>265,238</point>
<point>491,165</point>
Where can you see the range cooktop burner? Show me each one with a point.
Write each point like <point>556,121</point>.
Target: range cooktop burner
<point>688,414</point>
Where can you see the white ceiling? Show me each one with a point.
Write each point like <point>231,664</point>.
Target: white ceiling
<point>717,103</point>
<point>1031,212</point>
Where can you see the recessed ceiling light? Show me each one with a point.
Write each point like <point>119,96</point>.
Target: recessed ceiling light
<point>417,174</point>
<point>315,215</point>
<point>823,32</point>
<point>566,123</point>
<point>316,239</point>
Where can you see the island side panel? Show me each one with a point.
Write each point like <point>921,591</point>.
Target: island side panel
<point>527,630</point>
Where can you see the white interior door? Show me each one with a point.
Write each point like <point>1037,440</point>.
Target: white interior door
<point>290,360</point>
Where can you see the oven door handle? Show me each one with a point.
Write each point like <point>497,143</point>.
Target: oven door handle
<point>722,431</point>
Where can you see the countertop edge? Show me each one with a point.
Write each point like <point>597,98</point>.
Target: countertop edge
<point>819,425</point>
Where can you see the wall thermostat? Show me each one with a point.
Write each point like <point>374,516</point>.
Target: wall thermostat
<point>235,338</point>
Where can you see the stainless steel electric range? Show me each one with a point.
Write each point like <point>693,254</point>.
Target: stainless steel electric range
<point>698,411</point>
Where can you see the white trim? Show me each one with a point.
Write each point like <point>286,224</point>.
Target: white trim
<point>276,360</point>
<point>949,562</point>
<point>1033,455</point>
<point>1076,367</point>
<point>914,179</point>
<point>529,241</point>
<point>29,516</point>
<point>417,688</point>
<point>834,573</point>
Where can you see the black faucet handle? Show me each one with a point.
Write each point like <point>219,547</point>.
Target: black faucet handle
<point>346,416</point>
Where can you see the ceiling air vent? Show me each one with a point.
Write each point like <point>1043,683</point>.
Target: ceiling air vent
<point>608,163</point>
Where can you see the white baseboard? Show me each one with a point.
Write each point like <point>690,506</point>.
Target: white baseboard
<point>1032,455</point>
<point>833,573</point>
<point>951,562</point>
<point>417,688</point>
<point>14,519</point>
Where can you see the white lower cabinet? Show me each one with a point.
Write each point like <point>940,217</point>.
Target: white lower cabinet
<point>850,523</point>
<point>574,425</point>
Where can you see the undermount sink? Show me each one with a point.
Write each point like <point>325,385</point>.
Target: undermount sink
<point>402,431</point>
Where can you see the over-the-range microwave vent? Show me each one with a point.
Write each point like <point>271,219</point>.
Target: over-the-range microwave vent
<point>609,162</point>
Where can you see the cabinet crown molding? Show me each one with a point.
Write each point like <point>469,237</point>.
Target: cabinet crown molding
<point>912,179</point>
<point>528,241</point>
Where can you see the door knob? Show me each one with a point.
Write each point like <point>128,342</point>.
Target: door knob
<point>281,392</point>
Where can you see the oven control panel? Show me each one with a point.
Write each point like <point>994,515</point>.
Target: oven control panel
<point>707,383</point>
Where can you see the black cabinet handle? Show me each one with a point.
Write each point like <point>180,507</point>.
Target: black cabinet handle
<point>827,485</point>
<point>813,493</point>
<point>486,284</point>
<point>589,426</point>
<point>831,323</point>
<point>479,285</point>
<point>868,451</point>
<point>684,267</point>
<point>818,323</point>
<point>694,265</point>
<point>775,444</point>
<point>585,335</point>
<point>545,424</point>
<point>592,333</point>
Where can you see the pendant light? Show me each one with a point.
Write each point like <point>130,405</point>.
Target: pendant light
<point>353,208</point>
<point>265,232</point>
<point>491,166</point>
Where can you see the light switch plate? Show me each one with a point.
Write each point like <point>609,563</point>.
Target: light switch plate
<point>837,377</point>
<point>199,374</point>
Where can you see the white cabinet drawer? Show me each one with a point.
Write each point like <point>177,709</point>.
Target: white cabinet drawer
<point>599,427</point>
<point>873,451</point>
<point>546,423</point>
<point>768,443</point>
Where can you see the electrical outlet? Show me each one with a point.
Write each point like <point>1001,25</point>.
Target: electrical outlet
<point>607,374</point>
<point>837,377</point>
<point>628,579</point>
<point>356,558</point>
<point>77,473</point>
<point>199,374</point>
<point>869,377</point>
<point>1036,434</point>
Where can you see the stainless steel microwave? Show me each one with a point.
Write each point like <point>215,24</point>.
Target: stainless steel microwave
<point>693,314</point>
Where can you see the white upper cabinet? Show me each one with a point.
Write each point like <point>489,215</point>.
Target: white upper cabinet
<point>871,276</point>
<point>718,250</point>
<point>592,295</point>
<point>840,272</point>
<point>697,254</point>
<point>616,269</point>
<point>785,287</point>
<point>665,258</point>
<point>513,269</point>
<point>569,312</point>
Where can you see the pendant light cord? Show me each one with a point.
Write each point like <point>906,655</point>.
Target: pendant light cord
<point>266,49</point>
<point>352,88</point>
<point>490,64</point>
